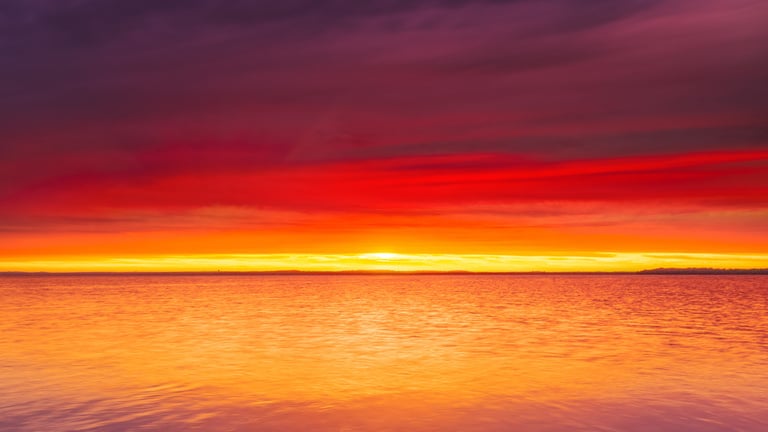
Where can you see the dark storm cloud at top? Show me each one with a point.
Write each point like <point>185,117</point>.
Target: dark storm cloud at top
<point>138,89</point>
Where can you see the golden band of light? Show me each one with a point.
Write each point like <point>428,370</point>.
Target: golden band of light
<point>587,261</point>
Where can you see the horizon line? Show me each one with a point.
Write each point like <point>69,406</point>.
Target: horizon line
<point>290,272</point>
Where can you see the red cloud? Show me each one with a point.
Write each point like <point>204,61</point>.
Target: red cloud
<point>736,178</point>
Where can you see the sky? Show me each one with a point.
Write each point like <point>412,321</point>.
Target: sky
<point>385,134</point>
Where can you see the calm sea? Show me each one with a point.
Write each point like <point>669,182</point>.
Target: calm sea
<point>404,353</point>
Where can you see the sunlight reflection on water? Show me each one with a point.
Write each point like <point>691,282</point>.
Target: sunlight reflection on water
<point>533,353</point>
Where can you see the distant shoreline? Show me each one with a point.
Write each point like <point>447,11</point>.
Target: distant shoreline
<point>657,271</point>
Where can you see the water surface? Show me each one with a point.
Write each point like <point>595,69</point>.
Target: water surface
<point>242,353</point>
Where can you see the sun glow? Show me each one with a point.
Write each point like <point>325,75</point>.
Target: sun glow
<point>382,256</point>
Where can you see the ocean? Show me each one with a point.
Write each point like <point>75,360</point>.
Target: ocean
<point>384,353</point>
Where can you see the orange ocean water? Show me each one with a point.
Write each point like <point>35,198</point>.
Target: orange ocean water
<point>242,353</point>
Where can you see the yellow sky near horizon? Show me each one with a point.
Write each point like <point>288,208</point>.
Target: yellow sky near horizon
<point>586,261</point>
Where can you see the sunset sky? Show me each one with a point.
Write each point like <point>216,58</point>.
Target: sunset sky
<point>407,135</point>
